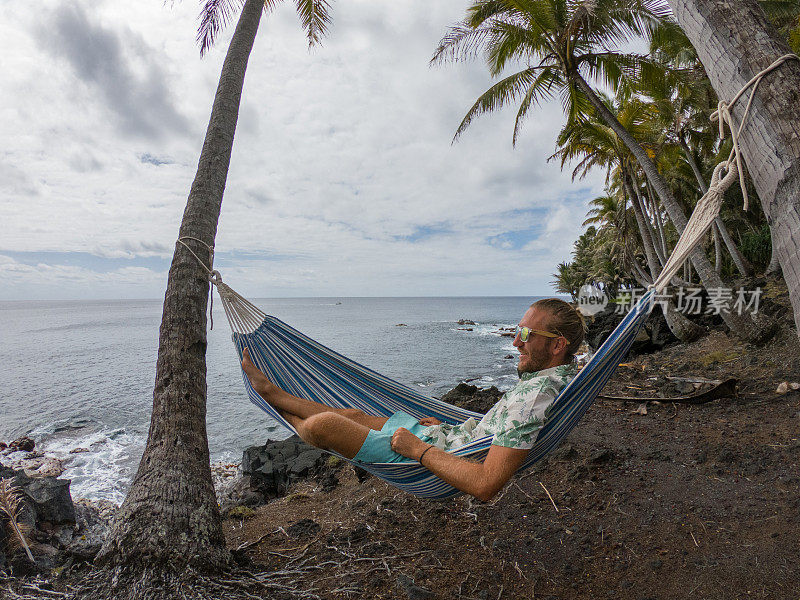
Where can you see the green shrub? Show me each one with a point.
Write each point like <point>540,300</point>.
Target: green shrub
<point>757,246</point>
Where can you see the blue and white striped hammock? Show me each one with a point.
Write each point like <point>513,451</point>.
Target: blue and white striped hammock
<point>307,369</point>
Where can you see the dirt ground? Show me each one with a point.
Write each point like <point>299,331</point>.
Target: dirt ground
<point>685,501</point>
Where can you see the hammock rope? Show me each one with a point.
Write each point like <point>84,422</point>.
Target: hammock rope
<point>306,368</point>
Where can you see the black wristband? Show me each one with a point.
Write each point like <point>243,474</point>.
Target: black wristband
<point>423,454</point>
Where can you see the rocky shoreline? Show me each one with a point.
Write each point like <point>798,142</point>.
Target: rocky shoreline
<point>63,532</point>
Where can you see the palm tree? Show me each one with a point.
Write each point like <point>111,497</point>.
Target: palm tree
<point>735,42</point>
<point>682,101</point>
<point>562,44</point>
<point>602,147</point>
<point>170,518</point>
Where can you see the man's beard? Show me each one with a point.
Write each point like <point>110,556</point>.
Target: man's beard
<point>534,363</point>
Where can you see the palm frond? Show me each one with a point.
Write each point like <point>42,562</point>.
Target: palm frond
<point>214,17</point>
<point>315,17</point>
<point>11,504</point>
<point>504,91</point>
<point>544,88</point>
<point>461,42</point>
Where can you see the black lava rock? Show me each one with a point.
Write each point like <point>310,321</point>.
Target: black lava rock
<point>472,398</point>
<point>273,467</point>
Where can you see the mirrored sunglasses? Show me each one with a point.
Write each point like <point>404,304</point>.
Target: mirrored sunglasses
<point>525,332</point>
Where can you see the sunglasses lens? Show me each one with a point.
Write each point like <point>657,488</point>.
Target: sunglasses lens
<point>523,333</point>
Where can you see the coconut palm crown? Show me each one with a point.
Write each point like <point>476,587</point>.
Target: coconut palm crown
<point>215,15</point>
<point>561,44</point>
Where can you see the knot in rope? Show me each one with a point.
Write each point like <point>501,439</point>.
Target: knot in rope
<point>724,116</point>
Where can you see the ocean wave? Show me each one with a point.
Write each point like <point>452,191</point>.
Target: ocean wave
<point>100,464</point>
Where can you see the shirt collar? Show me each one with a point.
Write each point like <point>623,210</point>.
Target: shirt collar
<point>560,370</point>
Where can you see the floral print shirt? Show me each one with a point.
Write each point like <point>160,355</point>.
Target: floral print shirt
<point>515,420</point>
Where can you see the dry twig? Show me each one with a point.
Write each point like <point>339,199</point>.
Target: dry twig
<point>549,496</point>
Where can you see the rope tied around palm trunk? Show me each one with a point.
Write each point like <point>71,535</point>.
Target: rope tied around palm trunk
<point>724,176</point>
<point>242,314</point>
<point>214,276</point>
<point>723,115</point>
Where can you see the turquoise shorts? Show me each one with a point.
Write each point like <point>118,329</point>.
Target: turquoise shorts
<point>377,447</point>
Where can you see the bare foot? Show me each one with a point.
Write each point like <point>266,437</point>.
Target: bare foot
<point>257,379</point>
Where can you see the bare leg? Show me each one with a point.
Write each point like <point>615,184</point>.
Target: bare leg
<point>331,431</point>
<point>301,407</point>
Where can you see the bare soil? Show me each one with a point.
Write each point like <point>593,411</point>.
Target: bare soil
<point>685,501</point>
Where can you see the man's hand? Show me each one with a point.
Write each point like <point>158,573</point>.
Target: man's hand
<point>430,421</point>
<point>406,443</point>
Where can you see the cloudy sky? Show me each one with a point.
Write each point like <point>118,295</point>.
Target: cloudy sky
<point>343,181</point>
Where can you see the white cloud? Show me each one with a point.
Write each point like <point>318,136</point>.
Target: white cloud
<point>343,179</point>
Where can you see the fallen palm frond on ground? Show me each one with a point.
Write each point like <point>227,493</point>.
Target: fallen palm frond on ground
<point>11,504</point>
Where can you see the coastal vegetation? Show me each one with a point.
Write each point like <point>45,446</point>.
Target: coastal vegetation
<point>645,120</point>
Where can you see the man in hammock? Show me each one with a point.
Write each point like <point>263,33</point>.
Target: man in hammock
<point>547,338</point>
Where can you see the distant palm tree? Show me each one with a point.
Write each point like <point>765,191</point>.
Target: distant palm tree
<point>562,46</point>
<point>597,145</point>
<point>170,518</point>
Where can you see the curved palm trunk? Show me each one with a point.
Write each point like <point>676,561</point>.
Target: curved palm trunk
<point>743,325</point>
<point>646,222</point>
<point>681,327</point>
<point>717,248</point>
<point>659,223</point>
<point>170,516</point>
<point>744,266</point>
<point>774,265</point>
<point>734,42</point>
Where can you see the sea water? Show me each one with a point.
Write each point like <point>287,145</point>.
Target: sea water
<point>78,376</point>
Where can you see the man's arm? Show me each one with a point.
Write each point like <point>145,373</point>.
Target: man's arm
<point>482,480</point>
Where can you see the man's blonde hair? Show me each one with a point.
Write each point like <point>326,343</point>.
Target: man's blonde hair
<point>564,320</point>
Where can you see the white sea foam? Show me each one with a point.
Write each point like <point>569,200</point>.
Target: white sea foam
<point>102,472</point>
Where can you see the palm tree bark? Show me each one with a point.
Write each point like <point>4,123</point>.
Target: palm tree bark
<point>734,41</point>
<point>717,249</point>
<point>774,265</point>
<point>741,325</point>
<point>170,516</point>
<point>744,266</point>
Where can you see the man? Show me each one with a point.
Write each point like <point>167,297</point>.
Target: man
<point>547,338</point>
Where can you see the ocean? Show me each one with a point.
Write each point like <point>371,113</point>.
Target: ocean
<point>79,375</point>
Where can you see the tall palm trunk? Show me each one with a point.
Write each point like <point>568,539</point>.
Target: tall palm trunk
<point>170,516</point>
<point>742,325</point>
<point>659,222</point>
<point>647,223</point>
<point>744,266</point>
<point>774,265</point>
<point>681,327</point>
<point>717,248</point>
<point>734,41</point>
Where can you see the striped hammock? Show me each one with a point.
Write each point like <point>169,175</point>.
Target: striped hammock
<point>307,369</point>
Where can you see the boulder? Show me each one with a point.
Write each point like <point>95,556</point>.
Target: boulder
<point>25,444</point>
<point>473,398</point>
<point>47,497</point>
<point>238,492</point>
<point>653,336</point>
<point>273,467</point>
